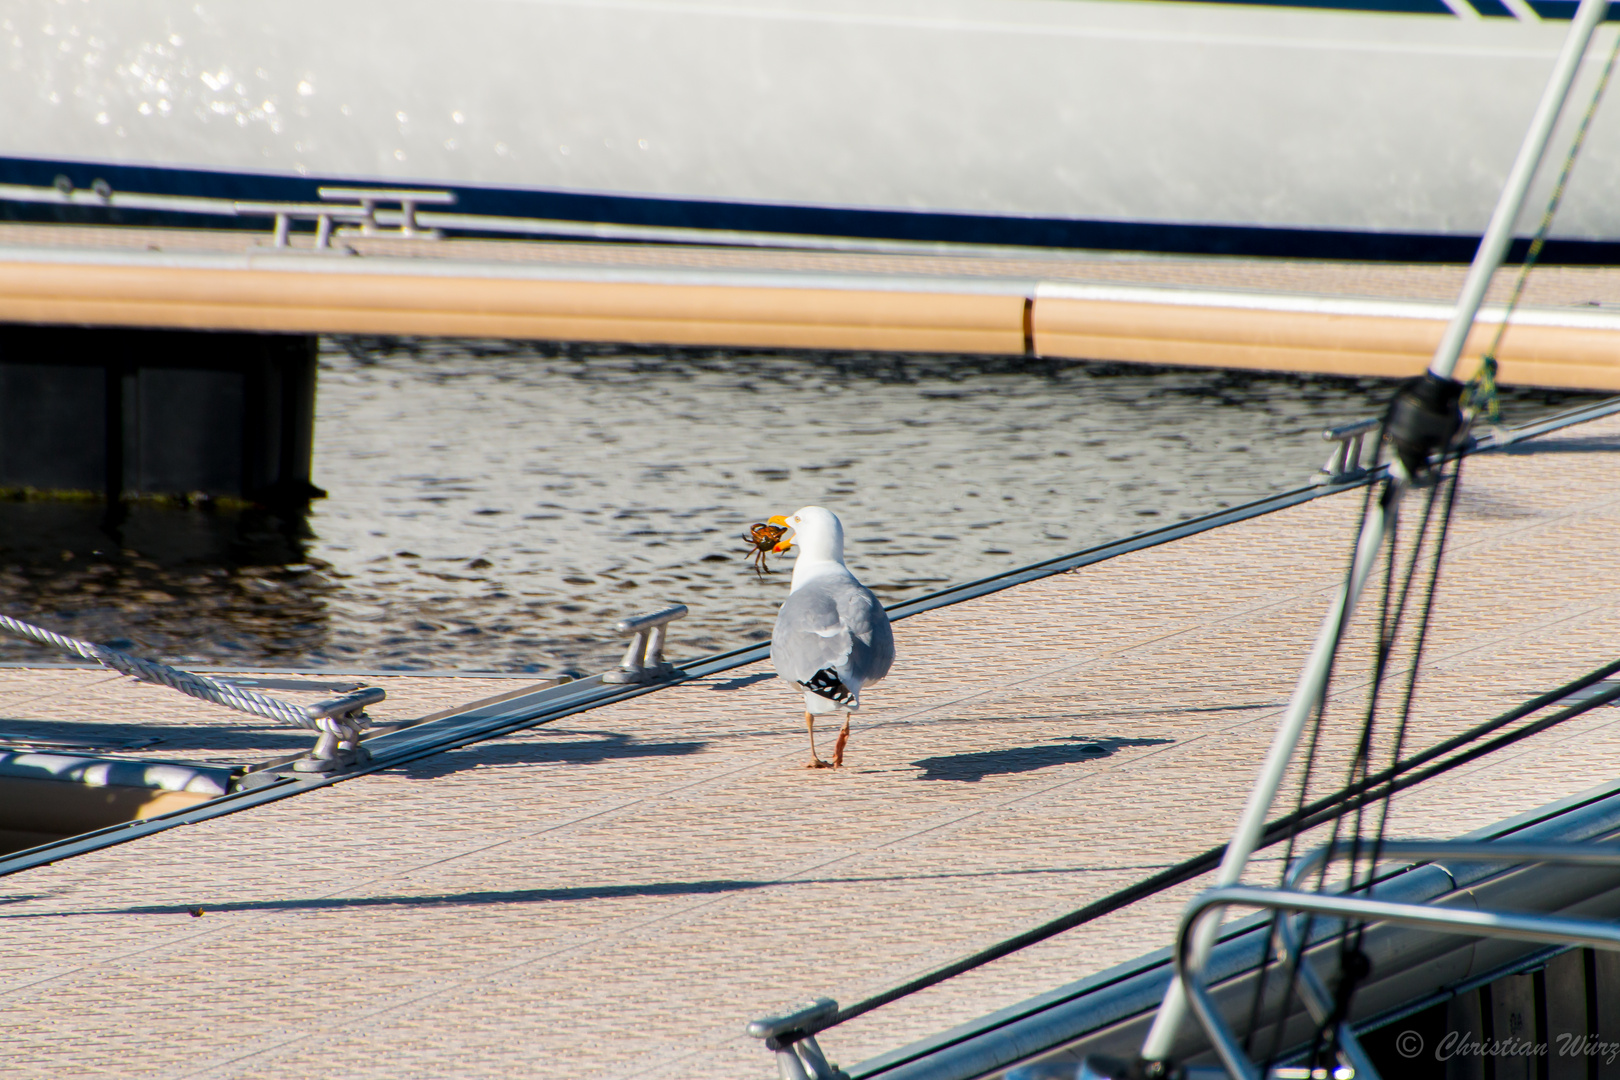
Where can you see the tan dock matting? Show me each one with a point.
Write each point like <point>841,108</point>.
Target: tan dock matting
<point>615,895</point>
<point>1277,315</point>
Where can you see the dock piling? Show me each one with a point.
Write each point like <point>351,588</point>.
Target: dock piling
<point>129,413</point>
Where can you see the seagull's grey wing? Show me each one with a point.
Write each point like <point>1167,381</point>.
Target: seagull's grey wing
<point>871,640</point>
<point>832,623</point>
<point>809,635</point>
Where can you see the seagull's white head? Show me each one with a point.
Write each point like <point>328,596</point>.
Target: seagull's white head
<point>817,533</point>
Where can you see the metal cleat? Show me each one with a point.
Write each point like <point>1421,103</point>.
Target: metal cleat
<point>408,200</point>
<point>644,660</point>
<point>1344,464</point>
<point>791,1036</point>
<point>339,721</point>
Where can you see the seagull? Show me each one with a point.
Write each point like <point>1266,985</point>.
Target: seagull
<point>832,636</point>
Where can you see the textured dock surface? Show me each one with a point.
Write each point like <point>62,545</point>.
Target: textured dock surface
<point>617,894</point>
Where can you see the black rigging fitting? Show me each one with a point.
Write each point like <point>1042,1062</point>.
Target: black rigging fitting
<point>1424,420</point>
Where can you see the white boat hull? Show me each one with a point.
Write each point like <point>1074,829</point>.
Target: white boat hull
<point>998,120</point>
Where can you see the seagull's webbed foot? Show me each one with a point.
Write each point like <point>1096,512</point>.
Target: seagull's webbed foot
<point>817,763</point>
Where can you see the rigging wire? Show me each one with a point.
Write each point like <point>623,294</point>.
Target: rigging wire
<point>1319,711</point>
<point>1353,966</point>
<point>1424,621</point>
<point>1392,610</point>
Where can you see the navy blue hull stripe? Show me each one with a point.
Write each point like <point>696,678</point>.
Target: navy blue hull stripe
<point>1402,7</point>
<point>1547,9</point>
<point>925,226</point>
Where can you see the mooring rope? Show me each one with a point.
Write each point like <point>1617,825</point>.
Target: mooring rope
<point>188,683</point>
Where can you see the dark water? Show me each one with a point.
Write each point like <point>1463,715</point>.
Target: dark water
<point>497,506</point>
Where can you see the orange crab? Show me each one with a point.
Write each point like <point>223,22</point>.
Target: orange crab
<point>765,538</point>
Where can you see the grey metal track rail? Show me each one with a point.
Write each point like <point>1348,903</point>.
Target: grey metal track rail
<point>492,721</point>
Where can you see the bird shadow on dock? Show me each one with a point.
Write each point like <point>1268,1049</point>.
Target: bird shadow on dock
<point>972,767</point>
<point>569,749</point>
<point>743,680</point>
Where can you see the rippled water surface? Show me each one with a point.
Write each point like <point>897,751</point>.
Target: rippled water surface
<point>498,506</point>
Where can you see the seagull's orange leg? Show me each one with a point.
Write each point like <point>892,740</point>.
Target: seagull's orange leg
<point>810,725</point>
<point>838,747</point>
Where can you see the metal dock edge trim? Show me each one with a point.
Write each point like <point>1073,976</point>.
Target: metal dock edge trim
<point>495,720</point>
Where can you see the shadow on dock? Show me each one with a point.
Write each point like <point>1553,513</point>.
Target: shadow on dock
<point>1607,444</point>
<point>971,768</point>
<point>551,895</point>
<point>610,746</point>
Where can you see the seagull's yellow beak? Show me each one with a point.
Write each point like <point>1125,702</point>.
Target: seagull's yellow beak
<point>783,544</point>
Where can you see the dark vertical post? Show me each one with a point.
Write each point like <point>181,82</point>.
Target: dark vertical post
<point>1513,1025</point>
<point>114,485</point>
<point>156,412</point>
<point>1606,991</point>
<point>1566,1030</point>
<point>53,413</point>
<point>1465,1018</point>
<point>298,417</point>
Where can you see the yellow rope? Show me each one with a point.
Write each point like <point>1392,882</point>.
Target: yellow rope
<point>1481,397</point>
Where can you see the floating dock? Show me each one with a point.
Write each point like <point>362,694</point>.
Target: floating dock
<point>1358,319</point>
<point>617,892</point>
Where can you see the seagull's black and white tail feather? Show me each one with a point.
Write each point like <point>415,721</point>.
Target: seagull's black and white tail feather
<point>826,683</point>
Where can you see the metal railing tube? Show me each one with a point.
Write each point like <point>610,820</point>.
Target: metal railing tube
<point>1544,929</point>
<point>1472,850</point>
<point>1317,999</point>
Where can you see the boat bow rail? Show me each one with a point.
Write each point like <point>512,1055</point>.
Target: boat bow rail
<point>1294,905</point>
<point>1107,1015</point>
